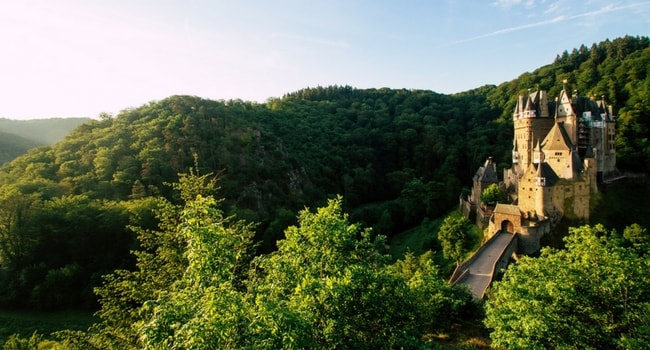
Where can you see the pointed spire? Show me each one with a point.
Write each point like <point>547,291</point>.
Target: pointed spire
<point>530,110</point>
<point>540,182</point>
<point>564,106</point>
<point>518,108</point>
<point>538,155</point>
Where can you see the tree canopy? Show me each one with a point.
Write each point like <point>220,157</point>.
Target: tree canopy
<point>592,295</point>
<point>329,285</point>
<point>493,194</point>
<point>455,238</point>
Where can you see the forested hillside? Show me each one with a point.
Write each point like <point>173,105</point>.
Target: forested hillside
<point>18,136</point>
<point>43,131</point>
<point>397,158</point>
<point>11,146</point>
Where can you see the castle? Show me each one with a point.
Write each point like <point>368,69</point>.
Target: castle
<point>561,150</point>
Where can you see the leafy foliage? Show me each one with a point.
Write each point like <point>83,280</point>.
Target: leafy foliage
<point>327,286</point>
<point>591,295</point>
<point>455,237</point>
<point>493,194</point>
<point>330,288</point>
<point>59,247</point>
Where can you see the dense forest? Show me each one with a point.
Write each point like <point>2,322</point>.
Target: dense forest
<point>125,214</point>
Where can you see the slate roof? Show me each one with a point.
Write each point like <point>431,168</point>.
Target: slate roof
<point>507,209</point>
<point>564,106</point>
<point>548,173</point>
<point>487,173</point>
<point>578,166</point>
<point>557,139</point>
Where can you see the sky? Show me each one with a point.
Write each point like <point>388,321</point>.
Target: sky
<point>80,58</point>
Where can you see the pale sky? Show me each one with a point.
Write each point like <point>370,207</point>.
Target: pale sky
<point>78,58</point>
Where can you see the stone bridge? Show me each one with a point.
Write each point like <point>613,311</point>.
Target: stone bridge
<point>480,270</point>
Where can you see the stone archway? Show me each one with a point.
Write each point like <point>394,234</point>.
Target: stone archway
<point>507,226</point>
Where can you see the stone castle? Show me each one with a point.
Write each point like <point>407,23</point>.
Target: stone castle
<point>562,150</point>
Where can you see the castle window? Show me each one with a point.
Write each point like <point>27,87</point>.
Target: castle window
<point>558,153</point>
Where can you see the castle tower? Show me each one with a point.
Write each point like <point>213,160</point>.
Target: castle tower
<point>531,122</point>
<point>564,113</point>
<point>484,177</point>
<point>607,151</point>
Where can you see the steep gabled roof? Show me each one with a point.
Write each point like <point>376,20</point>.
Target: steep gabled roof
<point>557,139</point>
<point>577,164</point>
<point>547,172</point>
<point>564,106</point>
<point>519,107</point>
<point>541,170</point>
<point>487,173</point>
<point>530,104</point>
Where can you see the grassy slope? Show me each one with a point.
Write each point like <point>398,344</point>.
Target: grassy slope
<point>26,323</point>
<point>424,237</point>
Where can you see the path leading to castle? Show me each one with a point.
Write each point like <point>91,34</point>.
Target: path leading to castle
<point>482,269</point>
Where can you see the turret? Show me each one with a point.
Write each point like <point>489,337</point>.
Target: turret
<point>566,114</point>
<point>537,153</point>
<point>540,183</point>
<point>516,114</point>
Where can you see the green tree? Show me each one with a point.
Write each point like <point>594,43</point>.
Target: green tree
<point>493,194</point>
<point>439,305</point>
<point>593,295</point>
<point>638,236</point>
<point>196,252</point>
<point>204,308</point>
<point>455,238</point>
<point>327,287</point>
